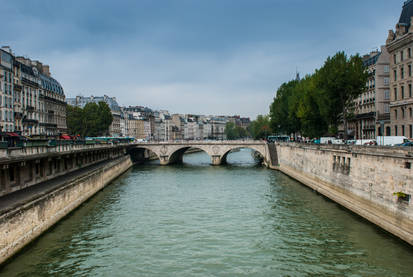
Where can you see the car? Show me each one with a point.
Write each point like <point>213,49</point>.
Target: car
<point>407,143</point>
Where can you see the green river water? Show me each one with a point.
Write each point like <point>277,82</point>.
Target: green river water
<point>198,220</point>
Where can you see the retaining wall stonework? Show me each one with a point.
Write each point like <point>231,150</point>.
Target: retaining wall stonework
<point>21,225</point>
<point>373,182</point>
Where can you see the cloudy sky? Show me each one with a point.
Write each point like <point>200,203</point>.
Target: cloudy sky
<point>191,56</point>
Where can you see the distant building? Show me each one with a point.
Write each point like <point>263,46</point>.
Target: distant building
<point>218,127</point>
<point>399,45</point>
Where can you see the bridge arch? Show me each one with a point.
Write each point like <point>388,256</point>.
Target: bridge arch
<point>172,152</point>
<point>252,147</point>
<point>176,156</point>
<point>138,155</point>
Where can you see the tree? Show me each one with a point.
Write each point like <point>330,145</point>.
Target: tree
<point>74,118</point>
<point>260,127</point>
<point>235,132</point>
<point>93,120</point>
<point>230,131</point>
<point>105,118</point>
<point>313,124</point>
<point>340,81</point>
<point>281,117</point>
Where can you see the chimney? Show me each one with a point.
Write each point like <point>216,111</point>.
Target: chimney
<point>46,70</point>
<point>7,49</point>
<point>390,37</point>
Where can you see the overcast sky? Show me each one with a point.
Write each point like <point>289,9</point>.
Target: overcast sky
<point>191,56</point>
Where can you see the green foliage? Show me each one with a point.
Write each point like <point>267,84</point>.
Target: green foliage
<point>340,81</point>
<point>260,127</point>
<point>74,118</point>
<point>93,120</point>
<point>235,132</point>
<point>280,113</point>
<point>400,194</point>
<point>320,102</point>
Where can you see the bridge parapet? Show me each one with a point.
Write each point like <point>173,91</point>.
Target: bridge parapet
<point>8,155</point>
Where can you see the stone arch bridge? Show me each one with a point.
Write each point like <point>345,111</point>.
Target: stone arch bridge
<point>172,152</point>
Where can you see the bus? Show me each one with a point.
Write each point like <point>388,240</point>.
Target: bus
<point>282,138</point>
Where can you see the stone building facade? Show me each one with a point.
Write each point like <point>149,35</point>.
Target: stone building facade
<point>6,92</point>
<point>399,45</point>
<point>32,103</point>
<point>371,108</point>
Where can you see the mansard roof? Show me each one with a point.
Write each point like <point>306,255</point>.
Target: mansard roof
<point>407,13</point>
<point>50,83</point>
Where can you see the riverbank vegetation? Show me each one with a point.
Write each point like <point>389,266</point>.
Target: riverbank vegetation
<point>320,102</point>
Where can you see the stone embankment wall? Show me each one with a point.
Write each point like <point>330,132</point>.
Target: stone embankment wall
<point>21,225</point>
<point>374,182</point>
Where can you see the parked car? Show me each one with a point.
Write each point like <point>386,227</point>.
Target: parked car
<point>407,143</point>
<point>366,142</point>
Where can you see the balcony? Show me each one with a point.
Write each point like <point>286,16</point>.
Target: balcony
<point>51,125</point>
<point>369,128</point>
<point>18,115</point>
<point>18,87</point>
<point>30,83</point>
<point>30,121</point>
<point>371,115</point>
<point>383,116</point>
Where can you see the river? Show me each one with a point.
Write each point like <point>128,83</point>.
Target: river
<point>198,220</point>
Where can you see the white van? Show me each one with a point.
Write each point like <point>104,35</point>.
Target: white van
<point>391,140</point>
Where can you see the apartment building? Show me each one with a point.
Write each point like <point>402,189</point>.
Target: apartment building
<point>371,108</point>
<point>399,45</point>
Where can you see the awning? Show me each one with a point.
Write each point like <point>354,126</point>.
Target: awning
<point>12,134</point>
<point>65,137</point>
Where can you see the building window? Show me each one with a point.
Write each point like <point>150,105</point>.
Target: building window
<point>387,94</point>
<point>395,75</point>
<point>394,58</point>
<point>403,113</point>
<point>410,90</point>
<point>402,92</point>
<point>386,69</point>
<point>410,112</point>
<point>395,94</point>
<point>395,130</point>
<point>410,70</point>
<point>386,80</point>
<point>386,108</point>
<point>411,131</point>
<point>402,130</point>
<point>395,114</point>
<point>401,56</point>
<point>409,52</point>
<point>402,73</point>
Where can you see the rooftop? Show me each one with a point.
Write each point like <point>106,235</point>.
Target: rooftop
<point>407,13</point>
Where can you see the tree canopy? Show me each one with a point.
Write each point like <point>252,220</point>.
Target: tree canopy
<point>260,127</point>
<point>319,103</point>
<point>93,120</point>
<point>235,132</point>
